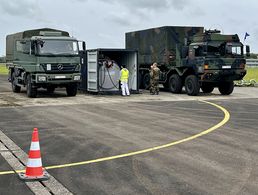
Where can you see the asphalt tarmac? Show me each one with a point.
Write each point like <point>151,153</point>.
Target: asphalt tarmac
<point>87,128</point>
<point>5,86</point>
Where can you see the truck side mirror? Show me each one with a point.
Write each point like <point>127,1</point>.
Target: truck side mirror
<point>247,49</point>
<point>84,46</point>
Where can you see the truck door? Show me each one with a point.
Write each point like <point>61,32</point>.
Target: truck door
<point>92,73</point>
<point>83,61</point>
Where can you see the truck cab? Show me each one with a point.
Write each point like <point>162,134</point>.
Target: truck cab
<point>218,60</point>
<point>43,58</point>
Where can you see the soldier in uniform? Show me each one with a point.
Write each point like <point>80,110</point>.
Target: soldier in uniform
<point>155,79</point>
<point>151,80</point>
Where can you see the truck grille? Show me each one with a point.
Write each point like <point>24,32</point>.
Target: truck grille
<point>58,68</point>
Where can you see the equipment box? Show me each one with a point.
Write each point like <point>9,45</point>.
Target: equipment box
<point>103,69</point>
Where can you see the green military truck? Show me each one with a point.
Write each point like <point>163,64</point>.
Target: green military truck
<point>189,57</point>
<point>43,58</point>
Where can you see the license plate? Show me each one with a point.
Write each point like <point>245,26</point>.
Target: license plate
<point>226,67</point>
<point>60,77</point>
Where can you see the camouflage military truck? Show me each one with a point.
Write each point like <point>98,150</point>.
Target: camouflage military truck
<point>189,57</point>
<point>43,58</point>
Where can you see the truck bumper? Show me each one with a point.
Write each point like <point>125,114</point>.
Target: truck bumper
<point>223,75</point>
<point>57,79</point>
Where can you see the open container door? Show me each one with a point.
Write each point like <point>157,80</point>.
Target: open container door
<point>92,74</point>
<point>131,62</point>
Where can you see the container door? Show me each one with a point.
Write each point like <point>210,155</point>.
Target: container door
<point>92,67</point>
<point>133,68</point>
<point>83,61</point>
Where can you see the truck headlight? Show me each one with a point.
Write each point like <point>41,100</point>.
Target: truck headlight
<point>77,78</point>
<point>42,78</point>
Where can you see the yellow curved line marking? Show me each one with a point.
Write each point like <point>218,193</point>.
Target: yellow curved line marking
<point>221,123</point>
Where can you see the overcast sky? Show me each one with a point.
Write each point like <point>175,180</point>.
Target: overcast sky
<point>102,23</point>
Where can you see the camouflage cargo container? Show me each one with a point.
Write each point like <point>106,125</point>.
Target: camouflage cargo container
<point>190,57</point>
<point>43,58</point>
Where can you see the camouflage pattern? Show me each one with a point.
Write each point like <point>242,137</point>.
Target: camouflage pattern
<point>175,49</point>
<point>221,66</point>
<point>151,80</point>
<point>154,81</point>
<point>160,44</point>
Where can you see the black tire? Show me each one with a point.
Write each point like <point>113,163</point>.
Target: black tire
<point>175,84</point>
<point>71,89</point>
<point>31,91</point>
<point>146,81</point>
<point>192,85</point>
<point>50,89</point>
<point>15,87</point>
<point>207,87</point>
<point>226,88</point>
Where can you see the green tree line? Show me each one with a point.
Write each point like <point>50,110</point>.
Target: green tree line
<point>253,56</point>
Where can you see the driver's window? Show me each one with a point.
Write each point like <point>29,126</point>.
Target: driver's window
<point>198,51</point>
<point>33,48</point>
<point>23,47</point>
<point>229,49</point>
<point>191,53</point>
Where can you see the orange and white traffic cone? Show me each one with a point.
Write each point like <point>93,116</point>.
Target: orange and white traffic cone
<point>34,170</point>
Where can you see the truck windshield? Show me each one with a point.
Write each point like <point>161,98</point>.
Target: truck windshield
<point>58,47</point>
<point>213,50</point>
<point>204,49</point>
<point>219,49</point>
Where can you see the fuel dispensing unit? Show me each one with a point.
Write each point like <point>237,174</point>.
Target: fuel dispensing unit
<point>102,69</point>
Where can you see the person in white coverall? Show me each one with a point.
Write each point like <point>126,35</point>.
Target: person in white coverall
<point>124,75</point>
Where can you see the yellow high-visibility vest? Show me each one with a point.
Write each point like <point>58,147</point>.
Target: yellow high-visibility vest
<point>124,75</point>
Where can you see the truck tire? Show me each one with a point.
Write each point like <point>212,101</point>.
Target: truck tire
<point>226,88</point>
<point>15,87</point>
<point>207,87</point>
<point>192,85</point>
<point>31,91</point>
<point>146,81</point>
<point>71,89</point>
<point>175,84</point>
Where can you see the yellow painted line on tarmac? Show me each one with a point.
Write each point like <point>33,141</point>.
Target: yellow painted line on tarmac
<point>220,124</point>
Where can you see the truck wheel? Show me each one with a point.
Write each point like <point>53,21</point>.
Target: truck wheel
<point>15,87</point>
<point>50,89</point>
<point>226,88</point>
<point>71,89</point>
<point>31,91</point>
<point>207,87</point>
<point>175,84</point>
<point>146,81</point>
<point>192,86</point>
